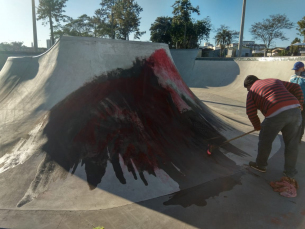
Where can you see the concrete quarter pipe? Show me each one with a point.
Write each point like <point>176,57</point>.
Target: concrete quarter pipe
<point>99,132</point>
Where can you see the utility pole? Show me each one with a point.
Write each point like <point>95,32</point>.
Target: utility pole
<point>34,26</point>
<point>241,33</point>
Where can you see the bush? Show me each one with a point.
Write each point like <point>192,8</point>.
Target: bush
<point>284,53</point>
<point>257,54</point>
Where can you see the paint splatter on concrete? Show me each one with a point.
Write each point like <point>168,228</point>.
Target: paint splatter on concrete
<point>145,115</point>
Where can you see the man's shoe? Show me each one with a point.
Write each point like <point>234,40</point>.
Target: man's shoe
<point>258,168</point>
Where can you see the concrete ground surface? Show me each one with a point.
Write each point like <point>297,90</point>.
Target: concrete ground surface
<point>226,195</point>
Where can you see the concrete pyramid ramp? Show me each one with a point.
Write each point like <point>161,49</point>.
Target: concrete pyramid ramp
<point>99,132</point>
<point>97,123</point>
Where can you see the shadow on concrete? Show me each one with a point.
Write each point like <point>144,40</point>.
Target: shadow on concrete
<point>127,118</point>
<point>225,104</point>
<point>21,69</point>
<point>205,72</point>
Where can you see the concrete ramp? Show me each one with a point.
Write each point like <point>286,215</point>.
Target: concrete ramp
<point>100,132</point>
<point>116,115</point>
<point>222,76</point>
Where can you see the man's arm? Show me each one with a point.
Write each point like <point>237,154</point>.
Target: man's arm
<point>296,90</point>
<point>252,112</point>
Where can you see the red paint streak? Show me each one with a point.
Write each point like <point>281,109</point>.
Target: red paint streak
<point>208,150</point>
<point>135,115</point>
<point>167,72</point>
<point>276,221</point>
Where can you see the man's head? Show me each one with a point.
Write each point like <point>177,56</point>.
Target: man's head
<point>250,79</point>
<point>298,68</point>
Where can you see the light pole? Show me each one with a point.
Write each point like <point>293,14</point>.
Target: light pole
<point>241,33</point>
<point>34,26</point>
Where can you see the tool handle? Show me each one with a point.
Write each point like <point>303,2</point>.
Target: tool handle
<point>238,137</point>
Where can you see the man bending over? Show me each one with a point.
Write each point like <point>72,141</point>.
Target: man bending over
<point>281,103</point>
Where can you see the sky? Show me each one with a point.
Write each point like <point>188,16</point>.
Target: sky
<point>16,16</point>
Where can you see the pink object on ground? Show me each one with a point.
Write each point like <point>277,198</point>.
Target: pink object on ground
<point>287,187</point>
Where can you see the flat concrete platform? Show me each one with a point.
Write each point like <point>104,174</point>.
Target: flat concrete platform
<point>218,191</point>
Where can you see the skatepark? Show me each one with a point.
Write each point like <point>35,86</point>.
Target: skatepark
<point>98,132</point>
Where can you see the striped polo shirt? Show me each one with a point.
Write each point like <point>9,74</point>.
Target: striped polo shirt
<point>270,96</point>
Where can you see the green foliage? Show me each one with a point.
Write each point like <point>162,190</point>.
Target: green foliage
<point>99,228</point>
<point>107,24</point>
<point>181,29</point>
<point>271,28</point>
<point>160,30</point>
<point>301,27</point>
<point>114,19</point>
<point>13,46</point>
<point>82,26</point>
<point>182,10</point>
<point>119,18</point>
<point>49,10</point>
<point>126,15</point>
<point>284,53</point>
<point>225,36</point>
<point>294,50</point>
<point>296,40</point>
<point>164,30</point>
<point>202,29</point>
<point>257,54</point>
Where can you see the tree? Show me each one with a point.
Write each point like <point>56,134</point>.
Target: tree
<point>270,29</point>
<point>163,30</point>
<point>301,28</point>
<point>17,45</point>
<point>293,48</point>
<point>224,36</point>
<point>13,46</point>
<point>95,22</point>
<point>202,29</point>
<point>119,18</point>
<point>82,26</point>
<point>160,30</point>
<point>126,15</point>
<point>105,19</point>
<point>182,10</point>
<point>296,40</point>
<point>49,10</point>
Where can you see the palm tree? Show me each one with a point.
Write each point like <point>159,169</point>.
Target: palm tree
<point>224,36</point>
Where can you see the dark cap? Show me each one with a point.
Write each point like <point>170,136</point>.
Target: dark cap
<point>298,65</point>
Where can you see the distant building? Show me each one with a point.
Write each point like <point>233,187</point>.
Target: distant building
<point>207,45</point>
<point>248,44</point>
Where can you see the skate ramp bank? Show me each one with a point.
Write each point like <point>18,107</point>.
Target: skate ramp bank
<point>225,76</point>
<point>97,123</point>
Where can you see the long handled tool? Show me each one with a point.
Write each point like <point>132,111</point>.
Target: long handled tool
<point>213,147</point>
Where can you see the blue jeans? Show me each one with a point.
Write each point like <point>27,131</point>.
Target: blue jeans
<point>289,123</point>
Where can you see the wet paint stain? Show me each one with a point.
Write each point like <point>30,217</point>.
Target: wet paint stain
<point>199,194</point>
<point>146,117</point>
<point>288,215</point>
<point>276,221</point>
